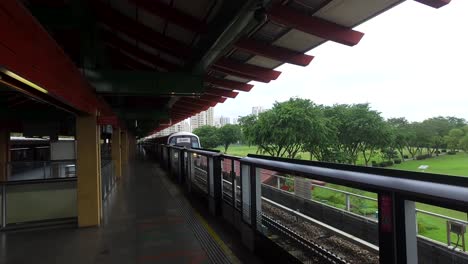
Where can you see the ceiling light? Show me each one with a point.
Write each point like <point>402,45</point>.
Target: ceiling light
<point>21,79</point>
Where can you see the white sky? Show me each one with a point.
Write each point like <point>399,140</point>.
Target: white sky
<point>412,62</point>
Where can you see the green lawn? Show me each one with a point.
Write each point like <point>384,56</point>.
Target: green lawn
<point>429,226</point>
<point>445,164</point>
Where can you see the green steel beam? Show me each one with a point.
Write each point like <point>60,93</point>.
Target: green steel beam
<point>146,83</point>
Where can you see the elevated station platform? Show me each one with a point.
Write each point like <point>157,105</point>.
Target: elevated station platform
<point>146,220</point>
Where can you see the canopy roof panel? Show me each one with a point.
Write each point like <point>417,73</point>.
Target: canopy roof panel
<point>125,48</point>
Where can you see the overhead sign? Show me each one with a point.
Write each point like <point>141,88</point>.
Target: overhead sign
<point>183,140</point>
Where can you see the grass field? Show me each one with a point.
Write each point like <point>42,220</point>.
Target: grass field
<point>429,226</point>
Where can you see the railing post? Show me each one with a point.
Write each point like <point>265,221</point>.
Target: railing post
<point>4,204</point>
<point>44,169</point>
<point>215,169</point>
<point>278,183</point>
<point>233,185</point>
<point>348,202</point>
<point>397,230</point>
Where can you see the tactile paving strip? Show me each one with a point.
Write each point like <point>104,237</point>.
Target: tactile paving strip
<point>214,251</point>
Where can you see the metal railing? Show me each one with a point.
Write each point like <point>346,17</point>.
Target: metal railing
<point>347,208</point>
<point>37,202</point>
<point>35,170</point>
<point>108,178</point>
<point>211,175</point>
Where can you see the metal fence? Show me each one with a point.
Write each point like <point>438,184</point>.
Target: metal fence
<point>36,170</point>
<point>37,202</point>
<point>108,178</point>
<point>233,189</point>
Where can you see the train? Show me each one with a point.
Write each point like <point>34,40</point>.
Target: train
<point>183,139</point>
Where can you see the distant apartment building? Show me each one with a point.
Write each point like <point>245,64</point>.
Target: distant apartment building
<point>257,110</point>
<point>205,118</point>
<point>222,121</point>
<point>179,127</point>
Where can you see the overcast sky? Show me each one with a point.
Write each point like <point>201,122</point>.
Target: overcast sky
<point>412,62</point>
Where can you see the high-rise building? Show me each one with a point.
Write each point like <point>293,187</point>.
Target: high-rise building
<point>205,118</point>
<point>182,126</point>
<point>224,120</point>
<point>257,110</point>
<point>220,121</point>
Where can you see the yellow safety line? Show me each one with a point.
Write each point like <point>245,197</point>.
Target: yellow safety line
<point>231,256</point>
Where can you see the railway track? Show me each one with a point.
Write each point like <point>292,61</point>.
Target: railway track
<point>302,249</point>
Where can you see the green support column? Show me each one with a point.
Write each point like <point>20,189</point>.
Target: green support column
<point>117,152</point>
<point>88,166</point>
<point>4,153</point>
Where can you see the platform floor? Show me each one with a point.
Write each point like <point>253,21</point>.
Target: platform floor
<point>146,220</point>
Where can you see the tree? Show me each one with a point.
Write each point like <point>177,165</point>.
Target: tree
<point>400,134</point>
<point>359,129</point>
<point>208,136</point>
<point>229,134</point>
<point>453,138</point>
<point>284,130</point>
<point>463,144</point>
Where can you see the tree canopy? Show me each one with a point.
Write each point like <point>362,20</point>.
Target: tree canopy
<point>341,133</point>
<point>208,135</point>
<point>229,134</point>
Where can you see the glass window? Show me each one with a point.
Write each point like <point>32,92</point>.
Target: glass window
<point>195,143</point>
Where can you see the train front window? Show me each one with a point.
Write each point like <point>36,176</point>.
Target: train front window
<point>195,143</point>
<point>172,141</point>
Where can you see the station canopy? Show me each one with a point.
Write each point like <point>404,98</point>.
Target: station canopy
<point>148,64</point>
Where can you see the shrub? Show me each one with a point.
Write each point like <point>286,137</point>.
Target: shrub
<point>452,153</point>
<point>421,157</point>
<point>386,163</point>
<point>405,156</point>
<point>444,150</point>
<point>397,161</point>
<point>437,152</point>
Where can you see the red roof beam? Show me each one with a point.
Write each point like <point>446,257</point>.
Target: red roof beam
<point>434,3</point>
<point>172,14</point>
<point>245,87</point>
<point>314,25</point>
<point>221,92</point>
<point>211,98</point>
<point>139,53</point>
<point>183,106</point>
<point>272,52</point>
<point>247,71</point>
<point>138,31</point>
<point>196,103</point>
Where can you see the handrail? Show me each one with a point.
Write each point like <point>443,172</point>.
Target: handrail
<point>232,157</point>
<point>450,196</point>
<point>442,216</point>
<point>394,173</point>
<point>204,152</point>
<point>39,181</point>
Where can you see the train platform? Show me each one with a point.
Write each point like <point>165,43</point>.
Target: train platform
<point>147,219</point>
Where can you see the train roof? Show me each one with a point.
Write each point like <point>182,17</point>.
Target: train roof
<point>182,134</point>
